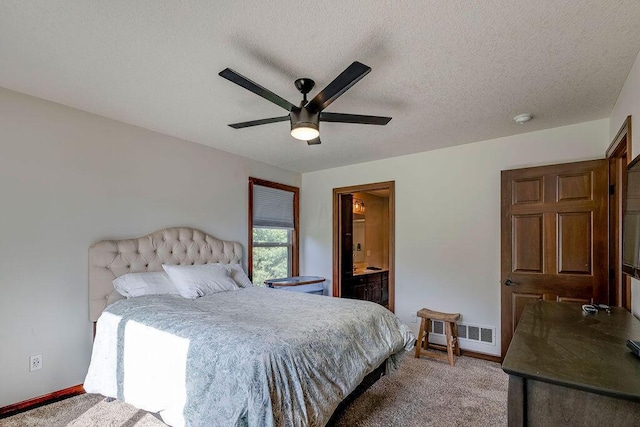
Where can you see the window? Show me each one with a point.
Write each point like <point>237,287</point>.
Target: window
<point>273,230</point>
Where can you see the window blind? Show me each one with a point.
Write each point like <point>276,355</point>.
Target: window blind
<point>272,207</point>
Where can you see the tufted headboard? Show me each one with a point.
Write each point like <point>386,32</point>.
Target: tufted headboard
<point>109,259</point>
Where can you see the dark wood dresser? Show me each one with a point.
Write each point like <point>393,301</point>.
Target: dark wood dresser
<point>567,367</point>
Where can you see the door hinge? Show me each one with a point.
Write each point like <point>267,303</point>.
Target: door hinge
<point>612,189</point>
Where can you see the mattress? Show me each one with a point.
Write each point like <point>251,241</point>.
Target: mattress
<point>252,357</point>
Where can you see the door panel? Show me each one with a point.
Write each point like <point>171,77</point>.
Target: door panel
<point>574,242</point>
<point>574,300</point>
<point>527,243</point>
<point>575,187</point>
<point>527,190</point>
<point>554,230</point>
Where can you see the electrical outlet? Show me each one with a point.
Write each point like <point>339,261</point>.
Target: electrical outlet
<point>35,362</point>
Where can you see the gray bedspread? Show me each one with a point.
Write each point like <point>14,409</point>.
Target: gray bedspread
<point>256,356</point>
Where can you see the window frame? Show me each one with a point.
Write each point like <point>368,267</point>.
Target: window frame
<point>295,235</point>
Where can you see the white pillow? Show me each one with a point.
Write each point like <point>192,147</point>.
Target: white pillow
<point>194,281</point>
<point>239,276</point>
<point>133,285</point>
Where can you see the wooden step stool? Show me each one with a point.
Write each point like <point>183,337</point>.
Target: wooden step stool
<point>451,333</point>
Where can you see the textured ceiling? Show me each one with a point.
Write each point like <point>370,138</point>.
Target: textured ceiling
<point>448,72</point>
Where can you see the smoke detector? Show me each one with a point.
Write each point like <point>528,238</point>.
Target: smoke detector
<point>522,118</point>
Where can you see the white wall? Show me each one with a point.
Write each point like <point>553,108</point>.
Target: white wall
<point>447,217</point>
<point>628,104</point>
<point>69,178</point>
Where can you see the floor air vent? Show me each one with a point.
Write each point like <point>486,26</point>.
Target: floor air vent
<point>438,327</point>
<point>476,333</point>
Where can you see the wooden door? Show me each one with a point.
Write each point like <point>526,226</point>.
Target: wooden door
<point>554,231</point>
<point>346,240</point>
<point>619,155</point>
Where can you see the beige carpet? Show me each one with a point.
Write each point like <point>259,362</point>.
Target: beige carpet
<point>423,392</point>
<point>426,392</point>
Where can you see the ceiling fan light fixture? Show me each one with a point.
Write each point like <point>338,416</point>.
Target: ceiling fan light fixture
<point>304,124</point>
<point>305,131</point>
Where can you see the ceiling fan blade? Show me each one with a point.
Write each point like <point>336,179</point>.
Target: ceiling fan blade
<point>354,118</point>
<point>259,122</point>
<point>240,80</point>
<point>338,86</point>
<point>315,141</point>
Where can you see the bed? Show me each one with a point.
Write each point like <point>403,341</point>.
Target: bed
<point>249,357</point>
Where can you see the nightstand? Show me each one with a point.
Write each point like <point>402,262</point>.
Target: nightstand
<point>305,284</point>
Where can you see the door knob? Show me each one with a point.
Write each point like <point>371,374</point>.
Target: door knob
<point>509,282</point>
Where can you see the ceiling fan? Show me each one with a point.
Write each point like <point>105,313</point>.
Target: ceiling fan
<point>305,119</point>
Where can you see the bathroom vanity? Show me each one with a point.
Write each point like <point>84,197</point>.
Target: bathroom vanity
<point>368,285</point>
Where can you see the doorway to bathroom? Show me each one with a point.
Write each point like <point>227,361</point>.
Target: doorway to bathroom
<point>364,242</point>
